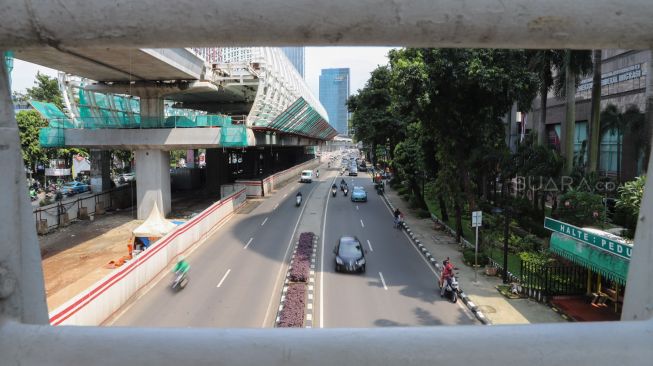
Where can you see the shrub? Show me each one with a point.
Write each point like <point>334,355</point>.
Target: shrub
<point>302,260</point>
<point>423,214</point>
<point>292,314</point>
<point>581,208</point>
<point>468,257</point>
<point>402,190</point>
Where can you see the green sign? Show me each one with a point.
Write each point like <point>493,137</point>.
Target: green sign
<point>611,246</point>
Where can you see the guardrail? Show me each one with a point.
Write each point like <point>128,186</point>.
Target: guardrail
<point>100,301</point>
<point>61,213</point>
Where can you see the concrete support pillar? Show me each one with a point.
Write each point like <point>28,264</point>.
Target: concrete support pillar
<point>152,181</point>
<point>215,170</point>
<point>100,170</point>
<point>190,158</point>
<point>152,111</point>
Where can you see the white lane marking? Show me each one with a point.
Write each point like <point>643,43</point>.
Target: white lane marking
<point>383,281</point>
<point>264,221</point>
<point>273,296</point>
<point>357,207</point>
<point>248,243</point>
<point>326,206</point>
<point>370,245</point>
<point>363,225</point>
<point>275,206</point>
<point>223,278</point>
<point>285,195</point>
<point>437,276</point>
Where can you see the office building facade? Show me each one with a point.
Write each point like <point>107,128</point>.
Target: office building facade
<point>623,84</point>
<point>296,57</point>
<point>334,91</point>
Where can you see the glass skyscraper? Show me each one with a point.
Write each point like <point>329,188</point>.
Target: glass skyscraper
<point>296,56</point>
<point>334,91</point>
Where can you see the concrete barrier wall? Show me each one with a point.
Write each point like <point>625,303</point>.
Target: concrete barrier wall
<point>294,172</point>
<point>258,188</point>
<point>100,301</point>
<point>253,187</point>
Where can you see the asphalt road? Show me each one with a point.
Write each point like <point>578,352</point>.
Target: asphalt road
<point>398,288</point>
<point>235,276</point>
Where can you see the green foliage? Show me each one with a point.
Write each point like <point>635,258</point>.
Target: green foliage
<point>468,257</point>
<point>29,124</point>
<point>536,258</point>
<point>581,208</point>
<point>630,200</point>
<point>46,89</point>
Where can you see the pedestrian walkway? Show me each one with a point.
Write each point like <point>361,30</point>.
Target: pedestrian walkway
<point>497,308</point>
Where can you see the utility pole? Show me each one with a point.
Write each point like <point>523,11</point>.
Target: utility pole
<point>506,233</point>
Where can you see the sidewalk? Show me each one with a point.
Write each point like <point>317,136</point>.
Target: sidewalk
<point>497,308</point>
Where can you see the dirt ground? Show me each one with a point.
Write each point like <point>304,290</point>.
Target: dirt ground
<point>74,257</point>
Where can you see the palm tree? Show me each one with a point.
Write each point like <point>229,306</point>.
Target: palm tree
<point>542,62</point>
<point>595,120</point>
<point>631,120</point>
<point>576,63</point>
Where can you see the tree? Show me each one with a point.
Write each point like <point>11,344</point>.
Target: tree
<point>630,200</point>
<point>595,117</point>
<point>630,120</point>
<point>576,63</point>
<point>460,96</point>
<point>543,62</point>
<point>46,89</point>
<point>29,125</point>
<point>373,120</point>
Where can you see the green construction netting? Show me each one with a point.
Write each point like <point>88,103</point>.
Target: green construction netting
<point>51,137</point>
<point>233,136</point>
<point>55,117</point>
<point>302,119</point>
<point>608,265</point>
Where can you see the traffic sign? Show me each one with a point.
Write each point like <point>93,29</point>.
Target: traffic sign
<point>477,218</point>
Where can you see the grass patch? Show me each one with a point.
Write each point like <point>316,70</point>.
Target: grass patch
<point>468,233</point>
<point>514,262</point>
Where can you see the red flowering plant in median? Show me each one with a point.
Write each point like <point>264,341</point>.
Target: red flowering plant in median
<point>292,314</point>
<point>302,261</point>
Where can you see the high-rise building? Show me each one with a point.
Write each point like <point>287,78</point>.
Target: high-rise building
<point>296,56</point>
<point>334,91</point>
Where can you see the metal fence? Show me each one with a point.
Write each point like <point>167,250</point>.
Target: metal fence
<point>61,213</point>
<point>541,282</point>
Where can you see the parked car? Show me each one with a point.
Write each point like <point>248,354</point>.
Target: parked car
<point>358,194</point>
<point>72,188</point>
<point>306,177</point>
<point>350,256</point>
<point>126,177</point>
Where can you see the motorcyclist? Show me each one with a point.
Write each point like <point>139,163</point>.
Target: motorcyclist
<point>398,216</point>
<point>447,274</point>
<point>181,267</point>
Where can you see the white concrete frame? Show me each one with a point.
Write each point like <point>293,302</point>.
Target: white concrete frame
<point>25,337</point>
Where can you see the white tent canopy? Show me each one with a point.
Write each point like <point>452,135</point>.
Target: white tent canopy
<point>155,226</point>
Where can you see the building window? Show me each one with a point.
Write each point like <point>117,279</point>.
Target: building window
<point>610,151</point>
<point>580,137</point>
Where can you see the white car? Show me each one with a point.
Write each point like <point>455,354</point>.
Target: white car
<point>307,176</point>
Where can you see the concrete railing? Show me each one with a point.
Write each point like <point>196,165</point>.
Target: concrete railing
<point>100,301</point>
<point>263,187</point>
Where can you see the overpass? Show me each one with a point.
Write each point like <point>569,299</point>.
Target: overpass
<point>155,100</point>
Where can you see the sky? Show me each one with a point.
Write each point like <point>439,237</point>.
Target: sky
<point>361,61</point>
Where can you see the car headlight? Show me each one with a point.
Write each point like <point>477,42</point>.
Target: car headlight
<point>361,261</point>
<point>338,260</point>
